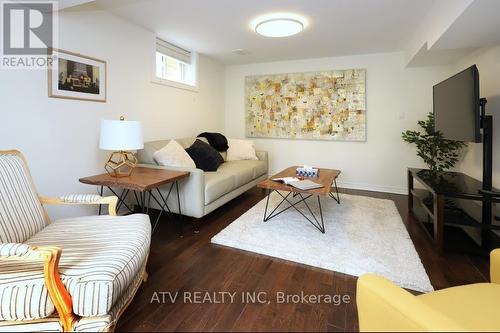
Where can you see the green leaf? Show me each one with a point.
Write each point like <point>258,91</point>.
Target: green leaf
<point>436,151</point>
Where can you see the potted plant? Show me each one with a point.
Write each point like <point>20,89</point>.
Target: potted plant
<point>438,153</point>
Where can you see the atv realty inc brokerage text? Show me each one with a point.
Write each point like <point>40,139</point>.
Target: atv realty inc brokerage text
<point>222,297</point>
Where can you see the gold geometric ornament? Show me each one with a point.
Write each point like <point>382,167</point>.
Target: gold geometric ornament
<point>121,164</point>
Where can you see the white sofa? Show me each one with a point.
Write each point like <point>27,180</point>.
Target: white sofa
<point>202,192</point>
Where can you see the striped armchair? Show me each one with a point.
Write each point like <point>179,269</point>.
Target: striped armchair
<point>72,274</point>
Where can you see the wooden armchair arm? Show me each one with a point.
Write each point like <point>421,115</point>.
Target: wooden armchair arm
<point>83,199</point>
<point>57,292</point>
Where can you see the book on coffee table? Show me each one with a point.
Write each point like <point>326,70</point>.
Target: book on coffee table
<point>303,185</point>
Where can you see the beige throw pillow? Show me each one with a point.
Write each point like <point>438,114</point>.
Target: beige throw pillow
<point>173,155</point>
<point>240,150</point>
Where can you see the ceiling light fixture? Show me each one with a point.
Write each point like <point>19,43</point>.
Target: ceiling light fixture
<point>278,25</point>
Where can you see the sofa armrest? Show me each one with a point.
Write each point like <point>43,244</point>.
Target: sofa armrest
<point>192,190</point>
<point>262,155</point>
<point>495,266</point>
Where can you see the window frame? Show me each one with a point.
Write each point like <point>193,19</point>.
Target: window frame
<point>171,83</point>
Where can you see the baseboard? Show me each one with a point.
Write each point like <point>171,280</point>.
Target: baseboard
<point>375,188</point>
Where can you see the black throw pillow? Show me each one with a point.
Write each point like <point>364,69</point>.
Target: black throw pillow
<point>216,140</point>
<point>204,156</point>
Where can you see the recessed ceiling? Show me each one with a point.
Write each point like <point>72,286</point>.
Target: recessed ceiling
<point>335,27</point>
<point>473,25</point>
<point>478,26</point>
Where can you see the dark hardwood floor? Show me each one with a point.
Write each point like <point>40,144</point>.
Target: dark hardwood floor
<point>192,264</point>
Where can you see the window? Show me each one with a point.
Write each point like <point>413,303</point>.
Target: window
<point>175,64</point>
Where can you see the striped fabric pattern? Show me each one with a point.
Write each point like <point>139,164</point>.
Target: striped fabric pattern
<point>51,324</point>
<point>13,249</point>
<point>21,214</point>
<point>102,259</point>
<point>81,198</point>
<point>101,255</point>
<point>84,324</point>
<point>93,324</point>
<point>23,294</point>
<point>103,323</point>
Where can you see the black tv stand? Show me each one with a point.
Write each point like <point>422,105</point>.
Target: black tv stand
<point>449,203</point>
<point>442,199</point>
<point>487,190</point>
<point>487,126</point>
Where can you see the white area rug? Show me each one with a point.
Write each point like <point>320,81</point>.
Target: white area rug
<point>363,235</point>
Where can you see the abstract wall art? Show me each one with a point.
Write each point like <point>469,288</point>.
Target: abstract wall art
<point>326,105</point>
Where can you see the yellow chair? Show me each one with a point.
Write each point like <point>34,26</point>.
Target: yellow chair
<point>383,306</point>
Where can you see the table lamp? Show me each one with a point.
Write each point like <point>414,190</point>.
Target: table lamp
<point>121,136</point>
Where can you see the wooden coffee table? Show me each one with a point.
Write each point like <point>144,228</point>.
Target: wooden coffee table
<point>142,182</point>
<point>326,177</point>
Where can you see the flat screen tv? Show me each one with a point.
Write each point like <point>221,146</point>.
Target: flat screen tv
<point>457,106</point>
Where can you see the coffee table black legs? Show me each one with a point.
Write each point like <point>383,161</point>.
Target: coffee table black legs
<point>143,200</point>
<point>317,223</point>
<point>335,196</point>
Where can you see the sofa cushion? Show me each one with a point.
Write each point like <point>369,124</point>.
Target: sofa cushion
<point>186,142</point>
<point>205,156</point>
<point>241,150</point>
<point>217,184</point>
<point>216,140</point>
<point>244,171</point>
<point>260,168</point>
<point>230,176</point>
<point>145,155</point>
<point>100,257</point>
<point>174,155</point>
<point>23,295</point>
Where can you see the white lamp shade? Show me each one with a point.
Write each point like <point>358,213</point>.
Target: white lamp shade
<point>121,135</point>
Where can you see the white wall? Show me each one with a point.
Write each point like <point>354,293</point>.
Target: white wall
<point>488,63</point>
<point>396,99</point>
<point>60,137</point>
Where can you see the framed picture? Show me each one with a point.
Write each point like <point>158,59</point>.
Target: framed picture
<point>75,76</point>
<point>324,105</point>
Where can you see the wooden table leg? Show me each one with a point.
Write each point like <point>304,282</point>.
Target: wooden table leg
<point>439,223</point>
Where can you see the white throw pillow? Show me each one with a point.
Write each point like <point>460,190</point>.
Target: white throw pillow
<point>240,150</point>
<point>173,155</point>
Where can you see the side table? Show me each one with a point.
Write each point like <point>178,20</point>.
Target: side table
<point>143,183</point>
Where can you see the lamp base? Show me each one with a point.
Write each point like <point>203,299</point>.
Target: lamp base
<point>121,164</point>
